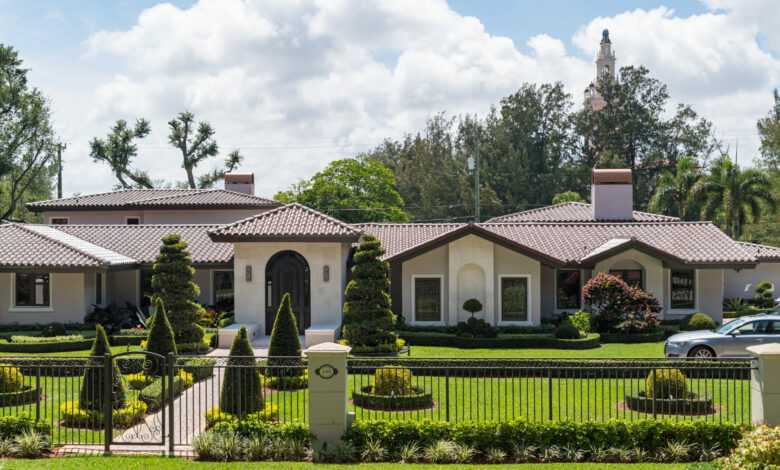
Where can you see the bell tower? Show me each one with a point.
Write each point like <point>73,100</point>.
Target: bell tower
<point>605,64</point>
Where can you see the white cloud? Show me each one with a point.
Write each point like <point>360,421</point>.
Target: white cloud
<point>296,84</point>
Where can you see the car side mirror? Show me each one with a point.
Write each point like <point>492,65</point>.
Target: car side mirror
<point>735,333</point>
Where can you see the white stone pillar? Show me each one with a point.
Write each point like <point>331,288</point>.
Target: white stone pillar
<point>765,384</point>
<point>327,391</point>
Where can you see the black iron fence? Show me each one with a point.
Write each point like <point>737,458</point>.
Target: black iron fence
<point>167,401</point>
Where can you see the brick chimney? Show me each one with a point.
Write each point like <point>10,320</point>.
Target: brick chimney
<point>611,194</point>
<point>240,182</point>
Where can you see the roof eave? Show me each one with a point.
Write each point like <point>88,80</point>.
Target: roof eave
<point>225,238</point>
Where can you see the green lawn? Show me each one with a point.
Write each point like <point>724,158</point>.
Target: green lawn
<point>613,350</point>
<point>146,463</point>
<point>114,350</point>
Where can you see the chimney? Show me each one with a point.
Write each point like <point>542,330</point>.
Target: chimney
<point>611,194</point>
<point>240,182</point>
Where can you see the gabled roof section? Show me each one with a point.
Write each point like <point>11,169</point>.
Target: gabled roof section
<point>398,239</point>
<point>762,252</point>
<point>156,199</point>
<point>142,242</point>
<point>292,222</point>
<point>570,212</point>
<point>30,246</point>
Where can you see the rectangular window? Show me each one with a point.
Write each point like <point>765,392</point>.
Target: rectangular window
<point>223,291</point>
<point>132,221</point>
<point>427,299</point>
<point>58,221</point>
<point>683,288</point>
<point>568,289</point>
<point>32,290</point>
<point>99,288</point>
<point>514,299</point>
<point>633,277</point>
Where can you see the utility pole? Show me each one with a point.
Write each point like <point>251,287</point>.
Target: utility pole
<point>60,148</point>
<point>473,165</point>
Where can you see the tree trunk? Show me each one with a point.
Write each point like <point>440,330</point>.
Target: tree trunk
<point>190,177</point>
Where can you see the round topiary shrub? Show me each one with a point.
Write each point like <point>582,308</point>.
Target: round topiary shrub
<point>567,331</point>
<point>11,380</point>
<point>54,329</point>
<point>392,381</point>
<point>699,321</point>
<point>666,383</point>
<point>472,306</point>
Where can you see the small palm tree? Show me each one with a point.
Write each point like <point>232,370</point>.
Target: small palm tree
<point>734,193</point>
<point>673,193</point>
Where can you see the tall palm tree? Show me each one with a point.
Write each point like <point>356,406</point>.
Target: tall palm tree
<point>734,193</point>
<point>673,193</point>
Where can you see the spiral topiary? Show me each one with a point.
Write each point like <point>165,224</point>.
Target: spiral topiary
<point>667,383</point>
<point>368,320</point>
<point>11,380</point>
<point>393,381</point>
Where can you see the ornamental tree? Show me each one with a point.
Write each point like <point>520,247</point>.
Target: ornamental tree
<point>161,338</point>
<point>472,306</point>
<point>618,306</point>
<point>172,283</point>
<point>285,341</point>
<point>92,395</point>
<point>368,320</point>
<point>242,393</point>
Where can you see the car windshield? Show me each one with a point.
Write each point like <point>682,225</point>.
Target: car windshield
<point>728,326</point>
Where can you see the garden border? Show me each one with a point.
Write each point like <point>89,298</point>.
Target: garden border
<point>503,341</point>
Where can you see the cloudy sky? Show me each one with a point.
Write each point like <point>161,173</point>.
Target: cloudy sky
<point>296,84</point>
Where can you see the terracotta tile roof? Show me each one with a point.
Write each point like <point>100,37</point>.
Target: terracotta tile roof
<point>142,242</point>
<point>289,221</point>
<point>570,212</point>
<point>399,238</point>
<point>762,252</point>
<point>27,245</point>
<point>156,198</point>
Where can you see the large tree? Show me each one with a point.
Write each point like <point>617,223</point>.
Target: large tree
<point>734,194</point>
<point>28,145</point>
<point>196,143</point>
<point>673,193</point>
<point>118,150</point>
<point>769,133</point>
<point>353,190</point>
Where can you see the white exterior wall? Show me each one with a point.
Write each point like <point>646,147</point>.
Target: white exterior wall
<point>743,283</point>
<point>470,262</point>
<point>203,278</point>
<point>326,296</point>
<point>67,301</point>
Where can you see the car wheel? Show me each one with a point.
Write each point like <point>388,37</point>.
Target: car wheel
<point>701,352</point>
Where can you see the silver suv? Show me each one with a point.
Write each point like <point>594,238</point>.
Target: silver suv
<point>730,340</point>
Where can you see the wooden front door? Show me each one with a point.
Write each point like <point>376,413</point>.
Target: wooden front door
<point>287,271</point>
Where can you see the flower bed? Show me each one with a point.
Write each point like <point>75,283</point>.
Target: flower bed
<point>22,397</point>
<point>418,399</point>
<point>504,341</point>
<point>692,405</point>
<point>652,337</point>
<point>214,416</point>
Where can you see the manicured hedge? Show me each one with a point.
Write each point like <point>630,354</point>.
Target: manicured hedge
<point>38,327</point>
<point>544,328</point>
<point>668,406</point>
<point>504,341</point>
<point>365,399</point>
<point>733,314</point>
<point>649,435</point>
<point>42,346</point>
<point>27,395</point>
<point>652,337</point>
<point>200,368</point>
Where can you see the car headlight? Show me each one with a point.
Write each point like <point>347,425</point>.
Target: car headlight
<point>681,344</point>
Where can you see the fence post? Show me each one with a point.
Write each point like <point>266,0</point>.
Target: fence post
<point>328,391</point>
<point>447,392</point>
<point>108,408</point>
<point>765,384</point>
<point>654,394</point>
<point>549,395</point>
<point>171,397</point>
<point>38,393</point>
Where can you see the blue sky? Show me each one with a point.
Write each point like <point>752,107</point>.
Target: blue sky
<point>306,82</point>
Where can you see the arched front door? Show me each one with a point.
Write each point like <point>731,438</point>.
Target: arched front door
<point>287,271</point>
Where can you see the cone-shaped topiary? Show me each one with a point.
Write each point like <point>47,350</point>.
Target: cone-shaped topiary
<point>92,396</point>
<point>241,390</point>
<point>160,339</point>
<point>368,320</point>
<point>284,340</point>
<point>172,282</point>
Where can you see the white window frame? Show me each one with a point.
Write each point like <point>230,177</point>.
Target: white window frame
<point>31,309</point>
<point>500,321</point>
<point>127,217</point>
<point>67,220</point>
<point>440,277</point>
<point>555,300</point>
<point>214,285</point>
<point>696,290</point>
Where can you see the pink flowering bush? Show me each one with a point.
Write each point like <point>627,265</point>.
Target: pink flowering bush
<point>620,307</point>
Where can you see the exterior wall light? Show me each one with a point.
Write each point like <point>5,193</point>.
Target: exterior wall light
<point>248,273</point>
<point>326,273</point>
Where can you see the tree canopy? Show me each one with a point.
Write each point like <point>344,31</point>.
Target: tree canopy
<point>118,150</point>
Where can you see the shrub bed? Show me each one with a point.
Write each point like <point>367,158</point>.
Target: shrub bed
<point>652,337</point>
<point>291,382</point>
<point>152,395</point>
<point>73,416</point>
<point>14,425</point>
<point>21,397</point>
<point>670,406</point>
<point>504,341</point>
<point>248,428</point>
<point>365,398</point>
<point>650,435</point>
<point>199,367</point>
<point>45,347</point>
<point>214,416</point>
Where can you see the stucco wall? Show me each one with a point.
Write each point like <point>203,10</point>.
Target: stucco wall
<point>743,283</point>
<point>470,275</point>
<point>431,263</point>
<point>125,287</point>
<point>547,292</point>
<point>203,278</point>
<point>326,297</point>
<point>153,216</point>
<point>67,301</point>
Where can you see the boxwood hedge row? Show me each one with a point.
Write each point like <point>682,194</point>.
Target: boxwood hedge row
<point>502,341</point>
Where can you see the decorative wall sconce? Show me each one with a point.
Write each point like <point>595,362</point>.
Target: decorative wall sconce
<point>326,273</point>
<point>248,273</point>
